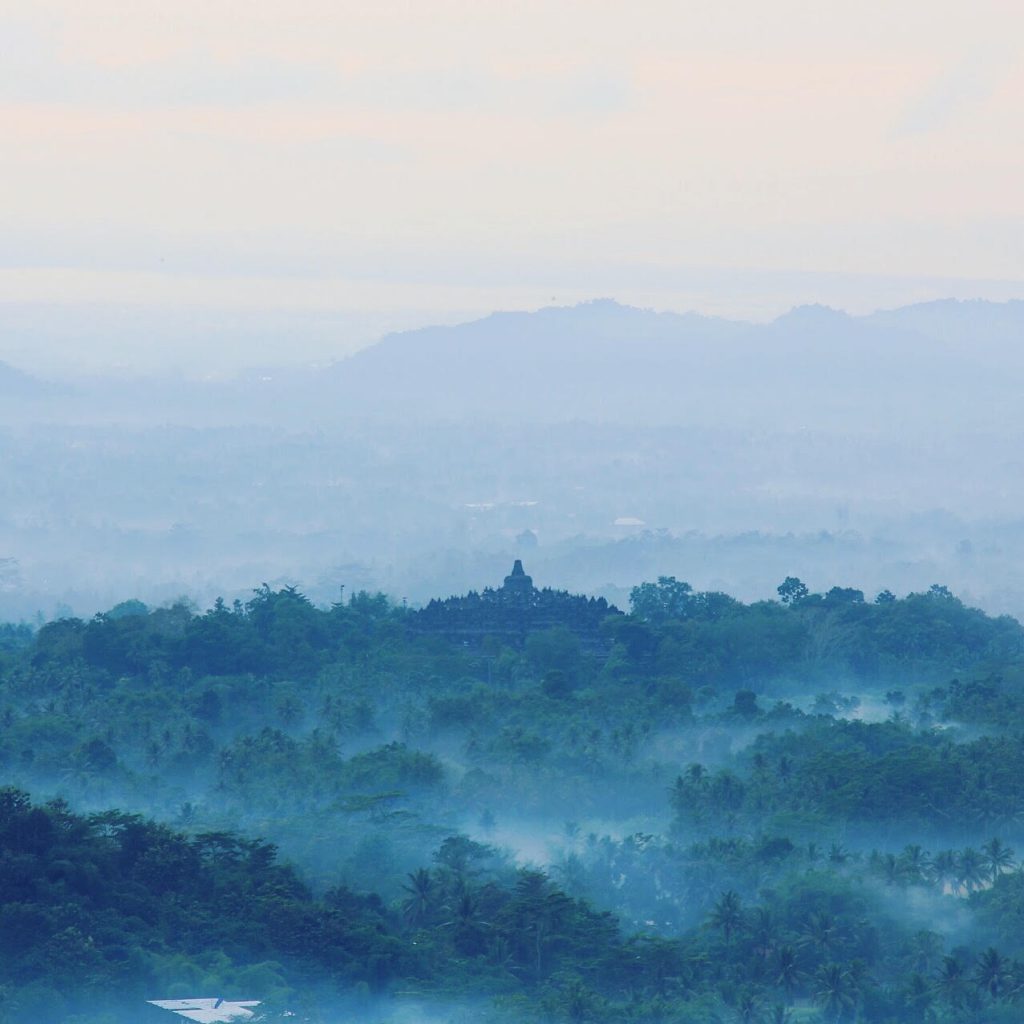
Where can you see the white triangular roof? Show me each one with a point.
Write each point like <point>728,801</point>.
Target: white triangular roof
<point>208,1011</point>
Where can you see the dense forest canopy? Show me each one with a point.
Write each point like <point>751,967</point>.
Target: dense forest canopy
<point>518,803</point>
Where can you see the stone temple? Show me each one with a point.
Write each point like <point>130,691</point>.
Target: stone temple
<point>517,582</point>
<point>510,613</point>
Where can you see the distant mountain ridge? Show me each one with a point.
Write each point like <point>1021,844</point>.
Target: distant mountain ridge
<point>951,319</point>
<point>605,360</point>
<point>944,363</point>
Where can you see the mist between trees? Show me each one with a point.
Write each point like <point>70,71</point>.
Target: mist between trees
<point>517,804</point>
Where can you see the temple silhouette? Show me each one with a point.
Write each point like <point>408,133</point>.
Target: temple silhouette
<point>513,611</point>
<point>517,582</point>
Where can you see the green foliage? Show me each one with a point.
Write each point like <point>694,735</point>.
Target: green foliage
<point>100,903</point>
<point>776,858</point>
<point>792,590</point>
<point>669,598</point>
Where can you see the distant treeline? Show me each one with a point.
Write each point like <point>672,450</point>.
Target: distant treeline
<point>702,637</point>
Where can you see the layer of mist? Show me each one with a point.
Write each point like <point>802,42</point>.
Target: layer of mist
<point>475,807</point>
<point>249,750</point>
<point>609,444</point>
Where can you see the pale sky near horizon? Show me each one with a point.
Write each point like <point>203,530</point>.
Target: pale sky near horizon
<point>395,162</point>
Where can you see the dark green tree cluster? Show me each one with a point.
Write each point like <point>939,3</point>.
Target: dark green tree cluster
<point>827,791</point>
<point>851,772</point>
<point>111,906</point>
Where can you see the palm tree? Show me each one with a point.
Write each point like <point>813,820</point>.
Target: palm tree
<point>943,871</point>
<point>821,933</point>
<point>837,854</point>
<point>727,792</point>
<point>891,868</point>
<point>925,951</point>
<point>915,863</point>
<point>727,914</point>
<point>951,981</point>
<point>464,909</point>
<point>538,911</point>
<point>992,973</point>
<point>835,992</point>
<point>420,902</point>
<point>788,974</point>
<point>919,996</point>
<point>998,857</point>
<point>971,870</point>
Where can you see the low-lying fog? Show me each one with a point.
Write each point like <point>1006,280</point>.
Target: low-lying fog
<point>694,455</point>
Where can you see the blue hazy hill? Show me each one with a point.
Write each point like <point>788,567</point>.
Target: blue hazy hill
<point>605,361</point>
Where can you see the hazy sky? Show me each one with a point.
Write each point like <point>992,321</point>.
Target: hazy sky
<point>387,163</point>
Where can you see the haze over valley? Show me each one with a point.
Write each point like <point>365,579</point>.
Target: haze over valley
<point>607,443</point>
<point>511,513</point>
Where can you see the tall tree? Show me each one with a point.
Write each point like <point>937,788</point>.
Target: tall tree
<point>727,914</point>
<point>835,991</point>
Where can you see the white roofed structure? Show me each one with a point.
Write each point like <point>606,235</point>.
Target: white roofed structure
<point>209,1011</point>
